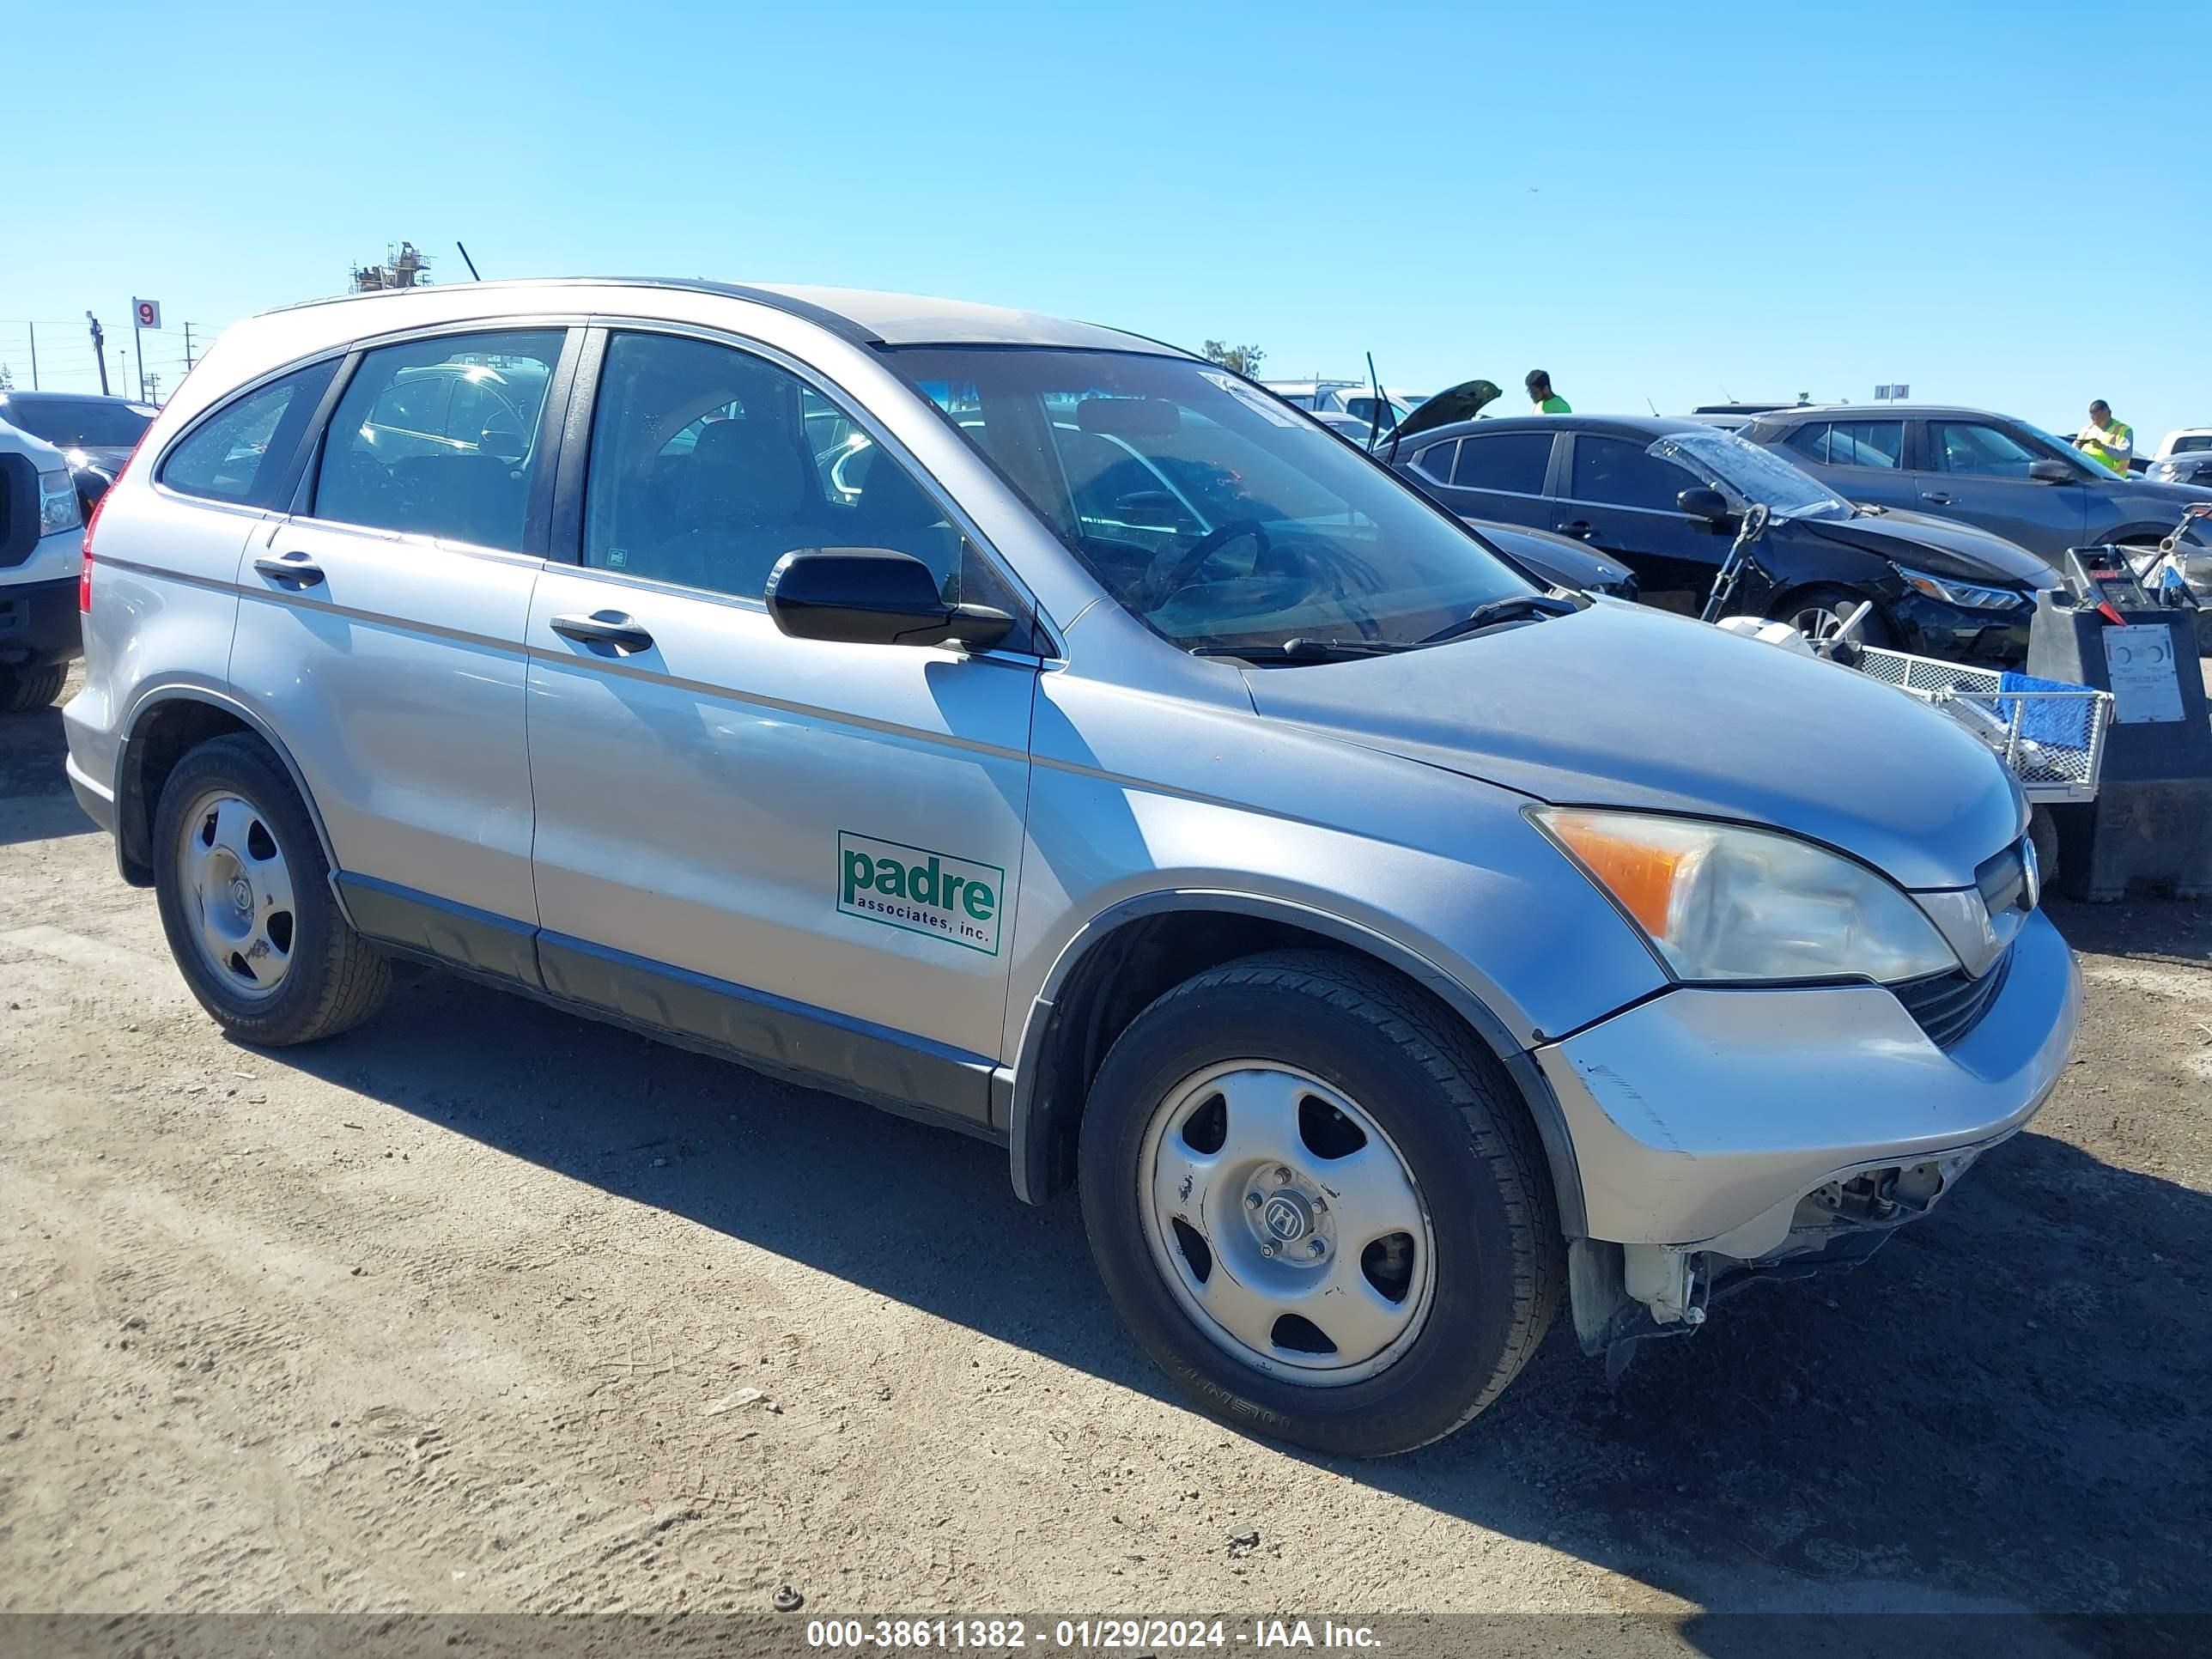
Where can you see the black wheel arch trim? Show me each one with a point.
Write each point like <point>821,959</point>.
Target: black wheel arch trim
<point>1027,1120</point>
<point>135,861</point>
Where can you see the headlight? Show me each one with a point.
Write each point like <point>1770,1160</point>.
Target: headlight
<point>57,503</point>
<point>1968,596</point>
<point>1721,903</point>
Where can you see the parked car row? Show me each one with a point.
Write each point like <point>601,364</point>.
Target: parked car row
<point>1949,521</point>
<point>1663,496</point>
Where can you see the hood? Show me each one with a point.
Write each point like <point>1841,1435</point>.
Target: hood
<point>2161,499</point>
<point>1942,547</point>
<point>1618,706</point>
<point>1462,402</point>
<point>1568,562</point>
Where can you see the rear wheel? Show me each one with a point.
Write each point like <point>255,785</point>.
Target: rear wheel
<point>1818,612</point>
<point>246,900</point>
<point>22,689</point>
<point>1319,1204</point>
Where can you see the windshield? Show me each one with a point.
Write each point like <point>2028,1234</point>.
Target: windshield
<point>1211,512</point>
<point>1744,470</point>
<point>70,422</point>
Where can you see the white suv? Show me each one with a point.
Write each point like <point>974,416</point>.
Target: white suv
<point>41,543</point>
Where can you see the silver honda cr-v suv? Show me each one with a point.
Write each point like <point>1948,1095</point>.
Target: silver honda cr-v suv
<point>1030,727</point>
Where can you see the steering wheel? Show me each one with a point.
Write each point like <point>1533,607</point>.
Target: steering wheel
<point>1180,574</point>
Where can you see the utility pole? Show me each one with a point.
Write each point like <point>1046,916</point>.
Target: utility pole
<point>34,327</point>
<point>188,348</point>
<point>153,385</point>
<point>99,351</point>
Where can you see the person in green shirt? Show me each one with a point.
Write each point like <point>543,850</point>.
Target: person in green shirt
<point>2112,442</point>
<point>1542,398</point>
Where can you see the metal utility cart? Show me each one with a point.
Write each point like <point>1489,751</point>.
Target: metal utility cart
<point>2051,735</point>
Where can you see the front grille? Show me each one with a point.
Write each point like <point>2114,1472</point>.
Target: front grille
<point>1948,1006</point>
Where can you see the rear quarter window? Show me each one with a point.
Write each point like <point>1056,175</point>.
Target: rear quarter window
<point>242,453</point>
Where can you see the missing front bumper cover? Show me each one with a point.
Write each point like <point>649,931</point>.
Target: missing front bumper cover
<point>1625,1295</point>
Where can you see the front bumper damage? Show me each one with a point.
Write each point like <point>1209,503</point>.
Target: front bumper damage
<point>1727,1136</point>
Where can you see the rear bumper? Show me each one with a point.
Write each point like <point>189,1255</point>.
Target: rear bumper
<point>1700,1118</point>
<point>38,623</point>
<point>97,800</point>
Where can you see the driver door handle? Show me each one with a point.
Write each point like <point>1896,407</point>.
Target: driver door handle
<point>613,628</point>
<point>1581,529</point>
<point>290,568</point>
<point>1935,497</point>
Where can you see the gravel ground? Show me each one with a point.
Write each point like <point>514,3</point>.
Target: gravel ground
<point>482,1308</point>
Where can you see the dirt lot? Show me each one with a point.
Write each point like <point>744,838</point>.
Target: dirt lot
<point>455,1313</point>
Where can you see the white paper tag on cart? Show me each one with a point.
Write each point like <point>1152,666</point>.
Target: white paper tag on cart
<point>1258,402</point>
<point>2139,658</point>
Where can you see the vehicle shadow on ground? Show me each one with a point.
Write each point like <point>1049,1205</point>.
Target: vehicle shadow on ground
<point>35,804</point>
<point>2013,1402</point>
<point>2140,927</point>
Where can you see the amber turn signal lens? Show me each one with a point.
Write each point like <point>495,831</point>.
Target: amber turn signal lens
<point>1640,875</point>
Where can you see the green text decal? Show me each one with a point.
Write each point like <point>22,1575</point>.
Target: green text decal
<point>945,897</point>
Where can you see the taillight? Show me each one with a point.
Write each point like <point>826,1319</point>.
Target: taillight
<point>84,570</point>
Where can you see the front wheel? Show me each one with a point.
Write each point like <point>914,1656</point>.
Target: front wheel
<point>1818,613</point>
<point>1319,1204</point>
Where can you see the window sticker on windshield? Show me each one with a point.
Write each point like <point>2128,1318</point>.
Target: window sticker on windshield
<point>1252,398</point>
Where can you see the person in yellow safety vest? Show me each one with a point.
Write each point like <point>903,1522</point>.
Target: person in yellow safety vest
<point>2112,442</point>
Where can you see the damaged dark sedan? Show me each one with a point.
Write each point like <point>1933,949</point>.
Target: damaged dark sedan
<point>1665,497</point>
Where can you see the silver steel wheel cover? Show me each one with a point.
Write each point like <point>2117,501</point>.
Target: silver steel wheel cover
<point>1288,1229</point>
<point>237,894</point>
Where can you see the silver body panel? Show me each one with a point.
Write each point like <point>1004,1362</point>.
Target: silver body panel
<point>680,809</point>
<point>690,799</point>
<point>397,681</point>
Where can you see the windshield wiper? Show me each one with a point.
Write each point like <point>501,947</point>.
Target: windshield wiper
<point>1303,649</point>
<point>1529,606</point>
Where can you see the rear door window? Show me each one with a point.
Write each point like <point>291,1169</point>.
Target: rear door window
<point>1515,462</point>
<point>1867,443</point>
<point>441,437</point>
<point>243,452</point>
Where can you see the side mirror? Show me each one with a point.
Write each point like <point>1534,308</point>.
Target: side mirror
<point>2048,471</point>
<point>873,596</point>
<point>1709,504</point>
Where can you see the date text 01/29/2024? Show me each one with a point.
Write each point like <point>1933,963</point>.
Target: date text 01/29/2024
<point>1119,1635</point>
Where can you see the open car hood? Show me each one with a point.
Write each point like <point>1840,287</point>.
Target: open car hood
<point>1462,402</point>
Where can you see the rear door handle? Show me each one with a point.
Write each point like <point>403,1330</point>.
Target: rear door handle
<point>290,568</point>
<point>1581,529</point>
<point>613,628</point>
<point>1935,498</point>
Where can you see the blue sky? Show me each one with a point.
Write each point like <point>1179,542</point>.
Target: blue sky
<point>1670,202</point>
